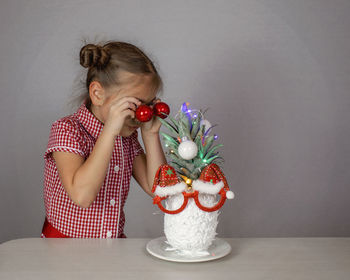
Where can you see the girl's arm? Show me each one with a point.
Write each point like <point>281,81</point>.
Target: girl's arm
<point>154,155</point>
<point>83,179</point>
<point>139,172</point>
<point>145,165</point>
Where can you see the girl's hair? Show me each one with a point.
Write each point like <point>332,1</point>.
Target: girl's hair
<point>105,61</point>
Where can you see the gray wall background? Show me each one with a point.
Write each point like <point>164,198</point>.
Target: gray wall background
<point>275,75</point>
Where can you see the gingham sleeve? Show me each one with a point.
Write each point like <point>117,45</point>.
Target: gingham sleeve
<point>64,137</point>
<point>136,147</point>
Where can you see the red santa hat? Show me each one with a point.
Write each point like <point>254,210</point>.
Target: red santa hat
<point>211,181</point>
<point>166,182</point>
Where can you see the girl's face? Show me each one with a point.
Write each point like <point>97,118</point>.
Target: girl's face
<point>138,86</point>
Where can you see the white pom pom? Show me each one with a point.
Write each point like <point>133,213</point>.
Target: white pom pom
<point>188,149</point>
<point>230,195</point>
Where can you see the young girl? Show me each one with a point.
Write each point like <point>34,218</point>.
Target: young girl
<point>92,153</point>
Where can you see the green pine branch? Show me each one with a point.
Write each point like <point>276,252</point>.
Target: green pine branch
<point>183,126</point>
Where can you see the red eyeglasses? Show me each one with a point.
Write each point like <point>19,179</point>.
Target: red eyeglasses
<point>204,185</point>
<point>158,200</point>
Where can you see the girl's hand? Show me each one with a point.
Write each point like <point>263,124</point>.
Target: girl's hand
<point>152,126</point>
<point>119,110</point>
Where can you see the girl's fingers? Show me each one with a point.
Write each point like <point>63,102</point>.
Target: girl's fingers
<point>131,105</point>
<point>128,112</point>
<point>130,99</point>
<point>154,102</point>
<point>123,106</point>
<point>126,99</point>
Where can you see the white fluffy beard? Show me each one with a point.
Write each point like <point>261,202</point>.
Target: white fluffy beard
<point>193,230</point>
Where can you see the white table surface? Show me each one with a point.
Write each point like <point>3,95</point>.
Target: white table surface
<point>251,258</point>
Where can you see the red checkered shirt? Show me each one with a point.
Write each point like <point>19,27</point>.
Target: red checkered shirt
<point>105,217</point>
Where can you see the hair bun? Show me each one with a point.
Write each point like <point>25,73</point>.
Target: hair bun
<point>93,56</point>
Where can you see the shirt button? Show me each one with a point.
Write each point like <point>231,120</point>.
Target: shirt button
<point>112,202</point>
<point>116,168</point>
<point>109,234</point>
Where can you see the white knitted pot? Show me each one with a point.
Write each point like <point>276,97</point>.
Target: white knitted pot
<point>191,231</point>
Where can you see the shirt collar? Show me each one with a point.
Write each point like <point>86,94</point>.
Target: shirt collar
<point>89,121</point>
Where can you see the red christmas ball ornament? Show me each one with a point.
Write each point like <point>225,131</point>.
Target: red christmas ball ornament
<point>161,110</point>
<point>144,113</point>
